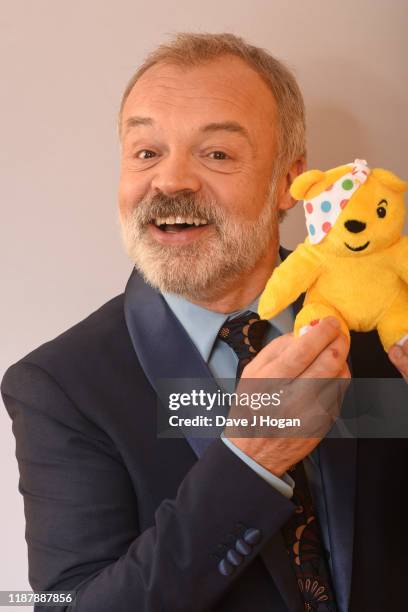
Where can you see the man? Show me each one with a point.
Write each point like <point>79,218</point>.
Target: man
<point>212,133</point>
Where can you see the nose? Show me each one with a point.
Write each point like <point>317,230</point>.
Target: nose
<point>174,174</point>
<point>355,226</point>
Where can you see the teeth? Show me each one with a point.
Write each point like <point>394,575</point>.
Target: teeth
<point>173,220</point>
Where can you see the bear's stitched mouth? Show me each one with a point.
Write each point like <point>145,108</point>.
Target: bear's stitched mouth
<point>360,248</point>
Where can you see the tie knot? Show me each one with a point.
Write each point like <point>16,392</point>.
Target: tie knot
<point>244,334</point>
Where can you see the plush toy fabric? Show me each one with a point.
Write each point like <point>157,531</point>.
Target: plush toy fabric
<point>354,263</point>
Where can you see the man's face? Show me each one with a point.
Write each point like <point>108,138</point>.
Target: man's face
<point>195,198</point>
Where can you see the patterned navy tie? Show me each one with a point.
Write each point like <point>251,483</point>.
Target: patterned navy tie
<point>245,334</point>
<point>304,545</point>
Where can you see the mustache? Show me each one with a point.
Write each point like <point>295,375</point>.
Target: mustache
<point>177,206</point>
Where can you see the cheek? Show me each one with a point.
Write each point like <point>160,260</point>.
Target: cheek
<point>131,191</point>
<point>242,198</point>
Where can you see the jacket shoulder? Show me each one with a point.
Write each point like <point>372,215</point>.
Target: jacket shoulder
<point>99,338</point>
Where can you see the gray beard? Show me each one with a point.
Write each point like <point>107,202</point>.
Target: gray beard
<point>205,268</point>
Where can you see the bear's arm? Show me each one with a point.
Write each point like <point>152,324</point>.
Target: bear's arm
<point>400,258</point>
<point>291,278</point>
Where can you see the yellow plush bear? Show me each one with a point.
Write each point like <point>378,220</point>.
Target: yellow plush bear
<point>354,263</point>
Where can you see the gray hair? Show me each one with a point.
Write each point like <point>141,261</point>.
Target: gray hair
<point>192,49</point>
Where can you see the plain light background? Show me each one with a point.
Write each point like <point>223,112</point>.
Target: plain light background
<point>63,69</point>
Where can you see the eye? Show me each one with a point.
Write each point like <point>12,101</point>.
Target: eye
<point>381,211</point>
<point>219,155</point>
<point>145,154</point>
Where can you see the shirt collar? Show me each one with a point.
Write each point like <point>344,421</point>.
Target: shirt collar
<point>203,325</point>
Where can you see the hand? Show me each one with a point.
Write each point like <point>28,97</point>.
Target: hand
<point>319,354</point>
<point>399,357</point>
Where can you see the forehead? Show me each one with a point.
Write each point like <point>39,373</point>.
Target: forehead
<point>224,89</point>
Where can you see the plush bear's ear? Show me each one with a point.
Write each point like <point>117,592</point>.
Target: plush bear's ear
<point>390,180</point>
<point>304,182</point>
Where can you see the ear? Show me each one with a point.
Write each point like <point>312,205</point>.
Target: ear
<point>304,182</point>
<point>390,180</point>
<point>285,200</point>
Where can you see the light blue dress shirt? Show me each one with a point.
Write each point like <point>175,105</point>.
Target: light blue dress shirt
<point>202,326</point>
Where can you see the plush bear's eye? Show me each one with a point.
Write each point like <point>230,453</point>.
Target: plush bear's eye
<point>381,211</point>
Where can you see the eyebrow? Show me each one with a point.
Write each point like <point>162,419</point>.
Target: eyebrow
<point>227,126</point>
<point>136,121</point>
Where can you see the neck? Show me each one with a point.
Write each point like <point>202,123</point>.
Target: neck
<point>244,289</point>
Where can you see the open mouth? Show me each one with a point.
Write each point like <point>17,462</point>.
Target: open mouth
<point>178,231</point>
<point>360,248</point>
<point>178,224</point>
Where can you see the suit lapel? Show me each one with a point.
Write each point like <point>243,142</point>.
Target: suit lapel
<point>337,459</point>
<point>367,360</point>
<point>159,352</point>
<point>146,309</point>
<point>338,464</point>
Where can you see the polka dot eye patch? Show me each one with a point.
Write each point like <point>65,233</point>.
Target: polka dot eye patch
<point>322,210</point>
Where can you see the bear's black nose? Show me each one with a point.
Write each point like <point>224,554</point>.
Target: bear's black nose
<point>355,226</point>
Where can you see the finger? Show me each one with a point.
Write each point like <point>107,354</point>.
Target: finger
<point>331,361</point>
<point>299,354</point>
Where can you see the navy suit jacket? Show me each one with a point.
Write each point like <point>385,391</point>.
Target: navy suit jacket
<point>136,522</point>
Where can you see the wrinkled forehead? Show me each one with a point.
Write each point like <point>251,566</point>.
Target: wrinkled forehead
<point>225,89</point>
